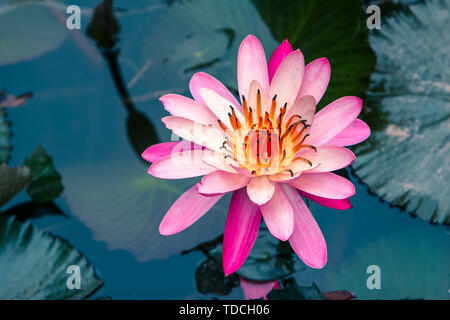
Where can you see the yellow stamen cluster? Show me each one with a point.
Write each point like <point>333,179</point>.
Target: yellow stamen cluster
<point>265,144</point>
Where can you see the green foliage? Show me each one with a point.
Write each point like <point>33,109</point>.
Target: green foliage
<point>328,28</point>
<point>46,184</point>
<point>12,180</point>
<point>406,160</point>
<point>33,264</point>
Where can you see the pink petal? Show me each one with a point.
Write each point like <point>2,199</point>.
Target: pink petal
<point>260,190</point>
<point>287,79</point>
<point>307,240</point>
<point>325,185</point>
<point>188,208</point>
<point>328,158</point>
<point>242,171</point>
<point>182,165</point>
<point>276,285</point>
<point>241,231</point>
<point>278,215</point>
<point>221,182</point>
<point>203,80</point>
<point>305,107</point>
<point>184,107</point>
<point>256,289</point>
<point>298,167</point>
<point>14,101</point>
<point>218,160</point>
<point>339,204</point>
<point>332,119</point>
<point>316,78</point>
<point>251,65</point>
<point>277,56</point>
<point>356,132</point>
<point>159,151</point>
<point>210,137</point>
<point>220,106</point>
<point>286,176</point>
<point>252,98</point>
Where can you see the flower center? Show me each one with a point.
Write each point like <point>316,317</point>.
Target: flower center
<point>266,143</point>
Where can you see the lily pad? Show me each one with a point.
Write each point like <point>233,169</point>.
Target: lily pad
<point>33,264</point>
<point>328,28</point>
<point>407,159</point>
<point>123,206</point>
<point>12,180</point>
<point>5,135</point>
<point>46,184</point>
<point>21,39</point>
<point>413,264</point>
<point>269,259</point>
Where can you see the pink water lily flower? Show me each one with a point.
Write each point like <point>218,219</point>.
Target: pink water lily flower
<point>269,149</point>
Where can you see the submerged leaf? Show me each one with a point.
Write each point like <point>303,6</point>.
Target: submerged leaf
<point>12,180</point>
<point>407,159</point>
<point>33,264</point>
<point>191,36</point>
<point>210,278</point>
<point>123,206</point>
<point>20,35</point>
<point>46,184</point>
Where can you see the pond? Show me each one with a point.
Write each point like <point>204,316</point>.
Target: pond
<point>110,208</point>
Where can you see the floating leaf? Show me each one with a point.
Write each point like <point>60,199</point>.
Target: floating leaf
<point>328,28</point>
<point>34,263</point>
<point>406,161</point>
<point>123,206</point>
<point>414,264</point>
<point>46,184</point>
<point>269,259</point>
<point>21,39</point>
<point>12,180</point>
<point>5,135</point>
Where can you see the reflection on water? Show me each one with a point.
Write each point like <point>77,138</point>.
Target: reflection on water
<point>114,208</point>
